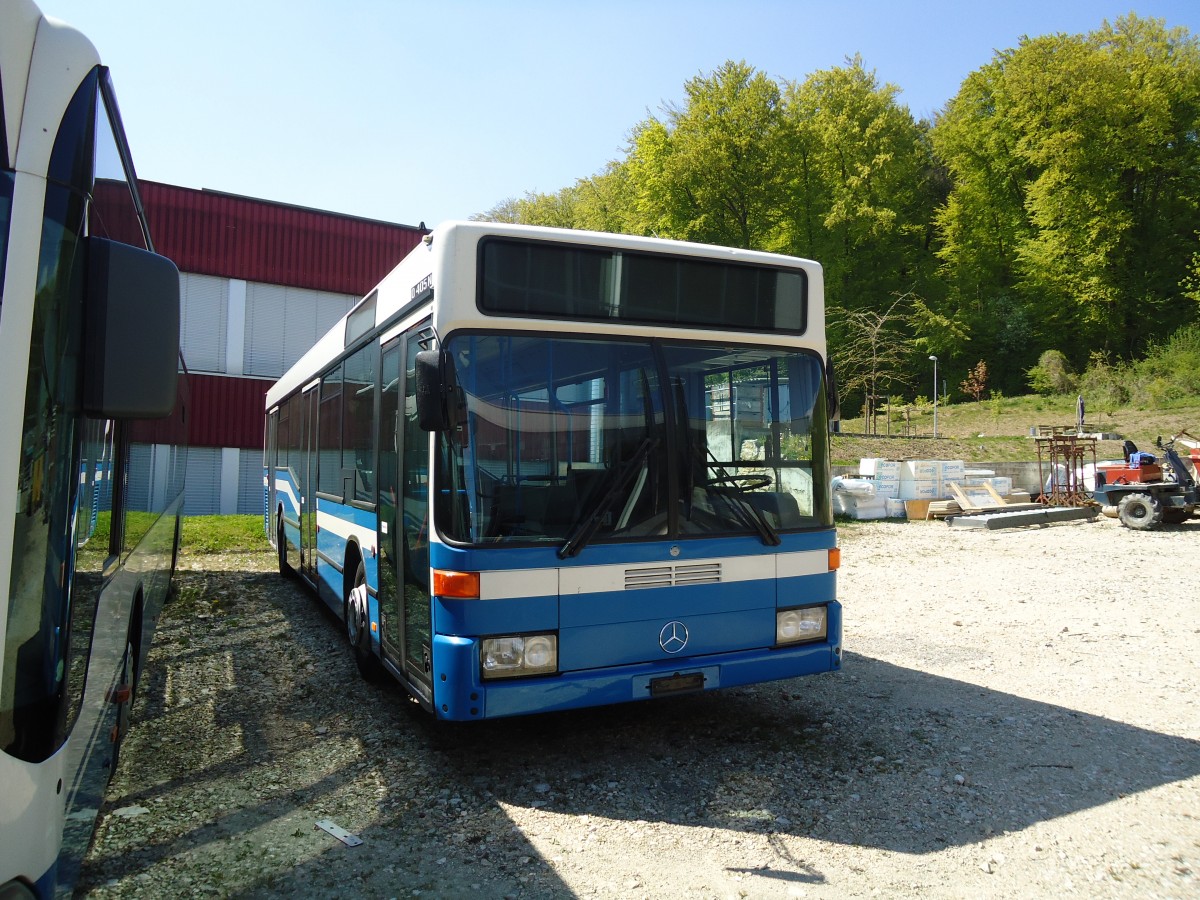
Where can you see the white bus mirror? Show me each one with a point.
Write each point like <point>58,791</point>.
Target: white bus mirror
<point>131,341</point>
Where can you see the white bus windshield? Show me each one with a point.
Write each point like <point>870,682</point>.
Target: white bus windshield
<point>570,441</point>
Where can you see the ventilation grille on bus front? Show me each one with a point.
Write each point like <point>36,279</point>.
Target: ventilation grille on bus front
<point>672,576</point>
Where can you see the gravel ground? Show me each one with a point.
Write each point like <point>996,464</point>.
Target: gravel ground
<point>1016,717</point>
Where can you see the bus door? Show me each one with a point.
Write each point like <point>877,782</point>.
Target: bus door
<point>404,521</point>
<point>308,489</point>
<point>390,587</point>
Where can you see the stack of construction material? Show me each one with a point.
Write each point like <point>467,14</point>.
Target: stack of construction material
<point>1002,484</point>
<point>857,498</point>
<point>929,479</point>
<point>884,474</point>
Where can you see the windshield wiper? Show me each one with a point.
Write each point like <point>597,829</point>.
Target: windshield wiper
<point>586,527</point>
<point>745,511</point>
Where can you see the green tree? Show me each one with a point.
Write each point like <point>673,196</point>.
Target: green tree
<point>711,170</point>
<point>863,185</point>
<point>1104,384</point>
<point>1052,374</point>
<point>1076,170</point>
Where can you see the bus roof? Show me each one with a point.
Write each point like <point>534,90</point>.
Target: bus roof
<point>25,34</point>
<point>401,289</point>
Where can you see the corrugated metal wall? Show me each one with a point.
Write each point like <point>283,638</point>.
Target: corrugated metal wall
<point>302,268</point>
<point>227,412</point>
<point>211,233</point>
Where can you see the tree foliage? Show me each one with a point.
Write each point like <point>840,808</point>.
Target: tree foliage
<point>976,381</point>
<point>1076,172</point>
<point>863,186</point>
<point>1052,374</point>
<point>712,169</point>
<point>1053,204</point>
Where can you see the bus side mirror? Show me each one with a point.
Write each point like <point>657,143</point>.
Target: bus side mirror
<point>834,402</point>
<point>434,389</point>
<point>131,343</point>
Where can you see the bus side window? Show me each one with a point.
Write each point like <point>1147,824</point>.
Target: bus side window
<point>358,425</point>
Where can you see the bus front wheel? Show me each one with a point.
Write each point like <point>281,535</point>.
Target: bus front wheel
<point>358,628</point>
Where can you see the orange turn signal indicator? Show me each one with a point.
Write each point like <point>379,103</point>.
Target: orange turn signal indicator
<point>459,585</point>
<point>835,559</point>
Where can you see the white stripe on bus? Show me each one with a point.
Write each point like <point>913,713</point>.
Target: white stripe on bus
<point>508,584</point>
<point>368,538</point>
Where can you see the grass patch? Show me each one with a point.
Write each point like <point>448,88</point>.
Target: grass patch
<point>997,430</point>
<point>224,534</point>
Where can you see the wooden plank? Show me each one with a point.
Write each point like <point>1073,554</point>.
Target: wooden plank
<point>970,502</point>
<point>1000,501</point>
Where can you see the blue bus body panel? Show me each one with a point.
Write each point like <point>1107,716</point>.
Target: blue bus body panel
<point>288,498</point>
<point>623,643</point>
<point>609,635</point>
<point>352,524</point>
<point>806,590</point>
<point>462,695</point>
<point>515,616</point>
<point>582,610</point>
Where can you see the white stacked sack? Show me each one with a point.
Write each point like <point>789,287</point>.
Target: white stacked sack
<point>857,498</point>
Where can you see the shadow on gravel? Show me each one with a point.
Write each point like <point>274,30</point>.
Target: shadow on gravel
<point>961,762</point>
<point>879,756</point>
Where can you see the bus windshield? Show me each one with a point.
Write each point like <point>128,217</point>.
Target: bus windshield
<point>569,441</point>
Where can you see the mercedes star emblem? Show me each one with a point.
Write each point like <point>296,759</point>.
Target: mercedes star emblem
<point>673,637</point>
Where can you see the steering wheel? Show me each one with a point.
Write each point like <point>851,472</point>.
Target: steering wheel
<point>743,482</point>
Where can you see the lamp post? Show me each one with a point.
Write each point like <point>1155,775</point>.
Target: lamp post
<point>934,358</point>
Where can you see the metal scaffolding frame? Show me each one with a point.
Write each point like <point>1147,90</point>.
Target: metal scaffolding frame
<point>1065,455</point>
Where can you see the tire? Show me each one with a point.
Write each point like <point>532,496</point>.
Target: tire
<point>128,683</point>
<point>285,568</point>
<point>358,628</point>
<point>1140,512</point>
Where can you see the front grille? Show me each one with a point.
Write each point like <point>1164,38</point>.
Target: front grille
<point>672,576</point>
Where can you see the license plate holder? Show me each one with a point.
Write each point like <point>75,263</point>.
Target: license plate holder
<point>679,683</point>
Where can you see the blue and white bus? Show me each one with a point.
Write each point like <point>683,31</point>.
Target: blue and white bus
<point>92,444</point>
<point>539,469</point>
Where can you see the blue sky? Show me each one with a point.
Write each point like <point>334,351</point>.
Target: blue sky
<point>408,112</point>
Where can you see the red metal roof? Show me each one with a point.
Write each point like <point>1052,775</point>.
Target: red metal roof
<point>212,233</point>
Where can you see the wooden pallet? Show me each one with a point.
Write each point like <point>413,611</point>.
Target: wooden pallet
<point>985,499</point>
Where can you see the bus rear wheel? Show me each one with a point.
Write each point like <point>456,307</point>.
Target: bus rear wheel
<point>358,628</point>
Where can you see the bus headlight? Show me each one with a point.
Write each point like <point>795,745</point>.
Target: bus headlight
<point>794,626</point>
<point>509,657</point>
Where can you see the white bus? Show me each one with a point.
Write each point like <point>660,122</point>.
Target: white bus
<point>91,444</point>
<point>539,469</point>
